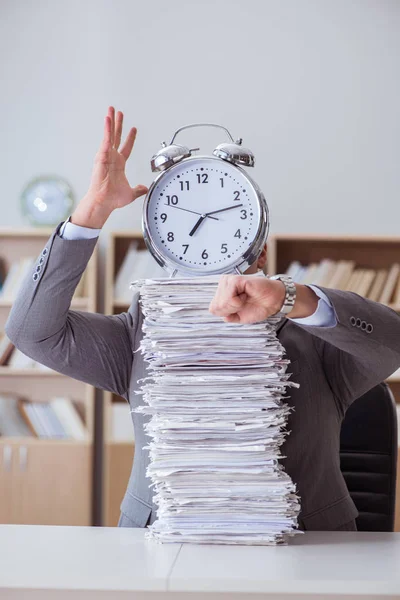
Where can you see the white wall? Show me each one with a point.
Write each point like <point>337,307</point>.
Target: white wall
<point>311,86</point>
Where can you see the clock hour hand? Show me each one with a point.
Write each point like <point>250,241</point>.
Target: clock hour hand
<point>191,211</point>
<point>197,225</point>
<point>214,212</point>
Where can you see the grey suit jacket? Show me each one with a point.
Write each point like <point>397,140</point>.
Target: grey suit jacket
<point>333,365</point>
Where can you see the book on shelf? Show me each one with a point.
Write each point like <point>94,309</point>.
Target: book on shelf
<point>377,285</point>
<point>396,298</point>
<point>55,419</point>
<point>15,276</point>
<point>394,376</point>
<point>390,285</point>
<point>380,285</point>
<point>137,264</point>
<point>12,424</point>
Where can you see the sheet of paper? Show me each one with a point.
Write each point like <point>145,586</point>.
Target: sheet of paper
<point>215,398</point>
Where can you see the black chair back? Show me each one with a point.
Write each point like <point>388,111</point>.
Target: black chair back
<point>368,457</point>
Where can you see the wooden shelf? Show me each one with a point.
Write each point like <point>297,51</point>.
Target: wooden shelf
<point>45,481</point>
<point>76,303</point>
<point>11,372</point>
<point>118,454</point>
<point>24,441</point>
<point>120,304</point>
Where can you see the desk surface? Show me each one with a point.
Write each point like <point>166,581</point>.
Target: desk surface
<point>85,562</point>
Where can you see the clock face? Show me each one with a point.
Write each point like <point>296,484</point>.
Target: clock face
<point>47,200</point>
<point>203,215</point>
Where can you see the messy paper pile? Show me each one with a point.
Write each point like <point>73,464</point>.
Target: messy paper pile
<point>215,393</point>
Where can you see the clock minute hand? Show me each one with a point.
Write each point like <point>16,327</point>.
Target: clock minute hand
<point>191,211</point>
<point>214,212</point>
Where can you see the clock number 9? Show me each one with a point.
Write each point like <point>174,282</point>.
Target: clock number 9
<point>172,200</point>
<point>163,217</point>
<point>205,254</point>
<point>170,236</point>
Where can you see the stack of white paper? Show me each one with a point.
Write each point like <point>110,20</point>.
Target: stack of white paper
<point>215,395</point>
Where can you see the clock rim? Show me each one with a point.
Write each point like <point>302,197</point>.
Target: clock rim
<point>41,179</point>
<point>243,262</point>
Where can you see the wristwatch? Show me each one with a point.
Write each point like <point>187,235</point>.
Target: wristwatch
<point>290,296</point>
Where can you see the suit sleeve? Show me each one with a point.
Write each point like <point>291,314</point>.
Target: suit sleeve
<point>90,347</point>
<point>362,349</point>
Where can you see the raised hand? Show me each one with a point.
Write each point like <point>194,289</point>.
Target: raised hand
<point>109,187</point>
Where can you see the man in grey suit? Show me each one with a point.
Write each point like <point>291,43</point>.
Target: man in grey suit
<point>340,345</point>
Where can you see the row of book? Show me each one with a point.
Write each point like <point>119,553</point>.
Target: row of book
<point>380,285</point>
<point>16,273</point>
<point>137,264</point>
<point>14,358</point>
<point>58,418</point>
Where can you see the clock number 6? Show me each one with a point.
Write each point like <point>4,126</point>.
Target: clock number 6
<point>204,255</point>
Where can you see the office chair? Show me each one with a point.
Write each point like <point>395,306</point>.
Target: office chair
<point>368,458</point>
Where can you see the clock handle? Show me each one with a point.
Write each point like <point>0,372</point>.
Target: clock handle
<point>203,125</point>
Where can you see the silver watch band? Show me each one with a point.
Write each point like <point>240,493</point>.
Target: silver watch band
<point>290,295</point>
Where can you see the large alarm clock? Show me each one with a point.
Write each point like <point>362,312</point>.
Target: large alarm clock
<point>204,215</point>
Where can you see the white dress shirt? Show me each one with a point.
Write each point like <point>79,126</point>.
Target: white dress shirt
<point>324,316</point>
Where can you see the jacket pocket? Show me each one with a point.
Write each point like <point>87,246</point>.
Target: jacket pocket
<point>136,510</point>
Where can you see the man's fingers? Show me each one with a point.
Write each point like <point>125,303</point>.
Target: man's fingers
<point>235,318</point>
<point>118,129</point>
<point>105,145</point>
<point>227,303</point>
<point>129,142</point>
<point>139,190</point>
<point>111,114</point>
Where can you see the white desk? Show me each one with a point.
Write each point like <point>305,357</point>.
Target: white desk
<point>84,563</point>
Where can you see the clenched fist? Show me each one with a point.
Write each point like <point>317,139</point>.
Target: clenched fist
<point>249,299</point>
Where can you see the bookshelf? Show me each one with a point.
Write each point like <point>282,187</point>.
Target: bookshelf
<point>45,481</point>
<point>367,252</point>
<point>117,451</point>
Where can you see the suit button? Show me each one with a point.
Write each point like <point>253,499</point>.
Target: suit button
<point>358,322</point>
<point>370,328</point>
<point>35,277</point>
<point>38,268</point>
<point>41,260</point>
<point>352,321</point>
<point>44,251</point>
<point>363,325</point>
